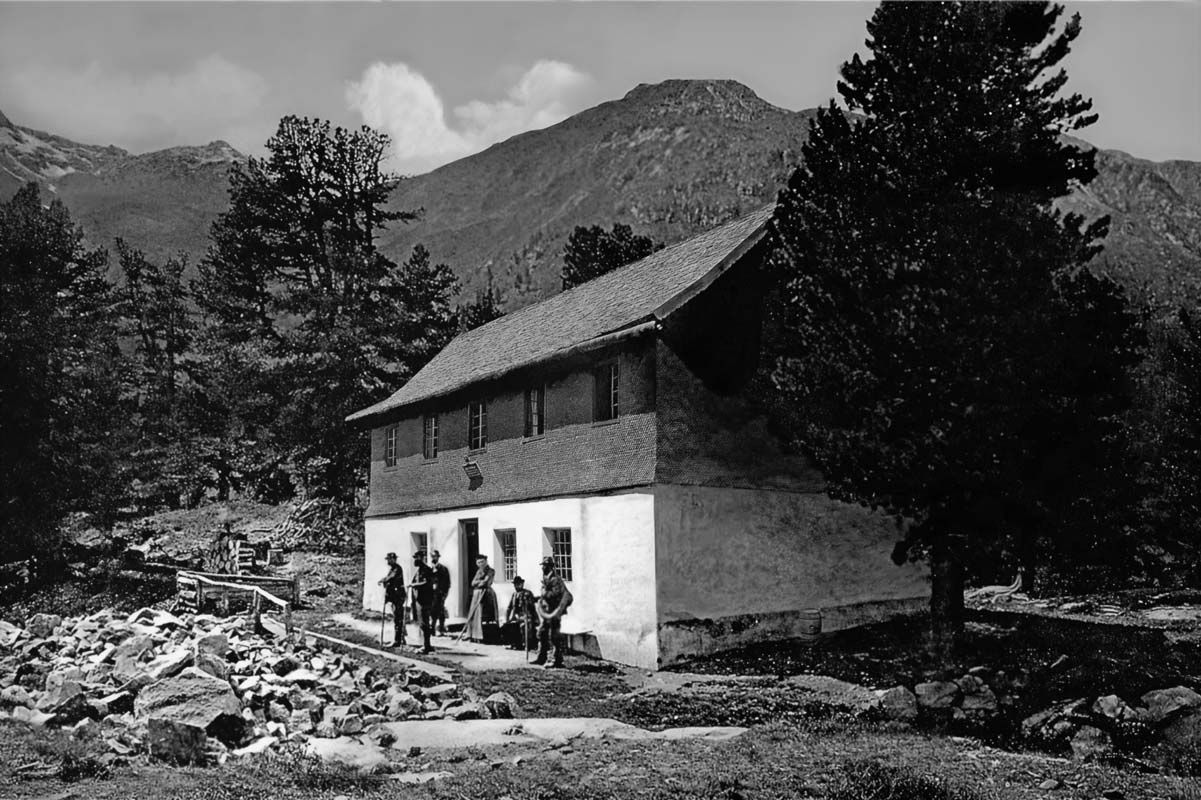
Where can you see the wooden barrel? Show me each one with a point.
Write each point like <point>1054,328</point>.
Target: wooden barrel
<point>809,624</point>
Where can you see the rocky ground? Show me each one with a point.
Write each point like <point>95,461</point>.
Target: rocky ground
<point>1068,697</point>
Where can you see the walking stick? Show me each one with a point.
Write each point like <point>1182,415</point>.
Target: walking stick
<point>383,621</point>
<point>525,635</point>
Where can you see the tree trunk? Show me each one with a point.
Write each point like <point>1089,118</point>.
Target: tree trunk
<point>946,598</point>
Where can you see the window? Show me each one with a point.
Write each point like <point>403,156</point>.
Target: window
<point>421,541</point>
<point>390,445</point>
<point>560,550</point>
<point>605,384</point>
<point>429,436</point>
<point>506,540</point>
<point>535,411</point>
<point>477,425</point>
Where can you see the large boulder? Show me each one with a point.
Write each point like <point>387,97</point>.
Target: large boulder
<point>1163,704</point>
<point>194,698</point>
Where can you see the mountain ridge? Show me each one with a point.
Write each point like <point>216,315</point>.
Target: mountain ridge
<point>670,159</point>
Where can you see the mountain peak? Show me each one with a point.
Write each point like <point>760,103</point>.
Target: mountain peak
<point>5,122</point>
<point>728,98</point>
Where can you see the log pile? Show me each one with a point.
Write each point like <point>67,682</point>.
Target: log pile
<point>320,524</point>
<point>230,556</point>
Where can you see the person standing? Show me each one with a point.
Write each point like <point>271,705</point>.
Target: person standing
<point>483,599</point>
<point>551,607</point>
<point>441,591</point>
<point>520,617</point>
<point>423,598</point>
<point>394,593</point>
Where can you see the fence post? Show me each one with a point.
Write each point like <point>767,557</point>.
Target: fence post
<point>288,618</point>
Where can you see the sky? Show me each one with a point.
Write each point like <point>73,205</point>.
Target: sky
<point>448,79</point>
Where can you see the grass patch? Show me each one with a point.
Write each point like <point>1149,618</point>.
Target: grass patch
<point>871,780</point>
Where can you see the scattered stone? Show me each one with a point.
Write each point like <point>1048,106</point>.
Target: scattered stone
<point>1050,783</point>
<point>177,742</point>
<point>41,626</point>
<point>1184,730</point>
<point>980,699</point>
<point>380,736</point>
<point>465,711</point>
<point>1090,742</point>
<point>256,747</point>
<point>502,705</point>
<point>937,694</point>
<point>198,689</point>
<point>214,665</point>
<point>441,692</point>
<point>898,703</point>
<point>214,644</point>
<point>362,758</point>
<point>1162,704</point>
<point>1114,708</point>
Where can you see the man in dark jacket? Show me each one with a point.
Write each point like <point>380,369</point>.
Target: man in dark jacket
<point>423,598</point>
<point>551,607</point>
<point>441,591</point>
<point>521,621</point>
<point>394,593</point>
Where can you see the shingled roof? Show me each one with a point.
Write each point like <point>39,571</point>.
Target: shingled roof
<point>642,292</point>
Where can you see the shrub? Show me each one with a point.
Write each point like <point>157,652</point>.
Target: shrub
<point>871,780</point>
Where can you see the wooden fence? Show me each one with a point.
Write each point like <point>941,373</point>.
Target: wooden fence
<point>195,588</point>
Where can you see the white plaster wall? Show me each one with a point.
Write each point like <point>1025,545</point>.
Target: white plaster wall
<point>613,554</point>
<point>725,552</point>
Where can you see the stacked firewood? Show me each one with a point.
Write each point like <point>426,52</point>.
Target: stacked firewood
<point>320,524</point>
<point>229,556</point>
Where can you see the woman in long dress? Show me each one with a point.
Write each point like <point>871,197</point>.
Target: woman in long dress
<point>483,599</point>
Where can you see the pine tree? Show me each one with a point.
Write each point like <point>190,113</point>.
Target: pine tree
<point>58,387</point>
<point>593,251</point>
<point>167,415</point>
<point>940,349</point>
<point>307,320</point>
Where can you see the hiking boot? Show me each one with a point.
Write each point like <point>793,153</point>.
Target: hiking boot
<point>553,665</point>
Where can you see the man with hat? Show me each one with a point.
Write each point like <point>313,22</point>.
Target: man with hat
<point>441,591</point>
<point>520,617</point>
<point>394,593</point>
<point>423,598</point>
<point>551,607</point>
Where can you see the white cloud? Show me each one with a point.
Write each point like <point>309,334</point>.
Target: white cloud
<point>400,101</point>
<point>213,99</point>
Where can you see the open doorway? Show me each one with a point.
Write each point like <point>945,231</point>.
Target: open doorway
<point>469,536</point>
